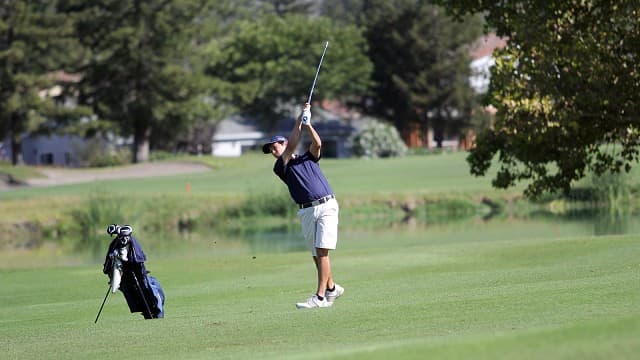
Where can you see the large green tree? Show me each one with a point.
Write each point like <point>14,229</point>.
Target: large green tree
<point>567,91</point>
<point>268,64</point>
<point>421,65</point>
<point>35,41</point>
<point>139,73</point>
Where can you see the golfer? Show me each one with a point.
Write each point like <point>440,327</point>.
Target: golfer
<point>318,208</point>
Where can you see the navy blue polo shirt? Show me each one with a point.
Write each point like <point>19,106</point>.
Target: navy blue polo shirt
<point>303,177</point>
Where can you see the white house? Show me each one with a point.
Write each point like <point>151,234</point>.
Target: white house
<point>483,60</point>
<point>235,134</point>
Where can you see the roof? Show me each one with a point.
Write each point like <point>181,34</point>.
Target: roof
<point>235,128</point>
<point>485,45</point>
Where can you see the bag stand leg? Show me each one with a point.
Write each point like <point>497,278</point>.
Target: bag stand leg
<point>101,306</point>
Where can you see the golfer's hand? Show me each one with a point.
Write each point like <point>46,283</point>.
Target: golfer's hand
<point>306,114</point>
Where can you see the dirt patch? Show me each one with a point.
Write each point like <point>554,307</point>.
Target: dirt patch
<point>61,176</point>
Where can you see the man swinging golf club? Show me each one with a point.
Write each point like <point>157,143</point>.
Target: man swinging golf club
<point>318,208</point>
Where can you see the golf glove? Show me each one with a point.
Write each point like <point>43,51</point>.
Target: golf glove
<point>306,117</point>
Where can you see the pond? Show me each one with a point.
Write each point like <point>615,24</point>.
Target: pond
<point>187,244</point>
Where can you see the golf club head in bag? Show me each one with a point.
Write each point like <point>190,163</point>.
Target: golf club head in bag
<point>113,229</point>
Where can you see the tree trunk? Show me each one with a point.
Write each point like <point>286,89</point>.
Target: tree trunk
<point>438,130</point>
<point>16,147</point>
<point>141,145</point>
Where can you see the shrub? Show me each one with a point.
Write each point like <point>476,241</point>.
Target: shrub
<point>87,230</point>
<point>378,139</point>
<point>261,205</point>
<point>95,152</point>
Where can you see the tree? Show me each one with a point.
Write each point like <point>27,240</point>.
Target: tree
<point>421,65</point>
<point>140,74</point>
<point>268,64</point>
<point>35,41</point>
<point>216,24</point>
<point>566,90</point>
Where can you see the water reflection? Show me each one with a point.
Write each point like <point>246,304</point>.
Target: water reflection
<point>216,242</point>
<point>543,224</point>
<point>286,236</point>
<point>602,221</point>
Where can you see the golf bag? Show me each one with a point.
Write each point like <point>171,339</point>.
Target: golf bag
<point>124,264</point>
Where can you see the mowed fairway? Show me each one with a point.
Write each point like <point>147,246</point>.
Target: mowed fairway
<point>473,291</point>
<point>407,296</point>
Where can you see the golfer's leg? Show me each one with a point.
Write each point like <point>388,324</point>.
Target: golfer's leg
<point>330,282</point>
<point>324,270</point>
<point>326,239</point>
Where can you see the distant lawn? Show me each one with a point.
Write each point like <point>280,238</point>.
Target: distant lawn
<point>355,181</point>
<point>444,173</point>
<point>20,172</point>
<point>235,179</point>
<point>408,296</point>
<point>232,177</point>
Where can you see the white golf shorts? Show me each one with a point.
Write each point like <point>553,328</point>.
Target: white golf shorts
<point>320,225</point>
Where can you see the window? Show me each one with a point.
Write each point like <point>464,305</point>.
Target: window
<point>46,158</point>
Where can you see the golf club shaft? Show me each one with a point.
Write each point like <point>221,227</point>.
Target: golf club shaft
<point>144,300</point>
<point>103,301</point>
<point>313,86</point>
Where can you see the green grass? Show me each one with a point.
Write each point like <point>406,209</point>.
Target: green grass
<point>409,295</point>
<point>447,172</point>
<point>20,172</point>
<point>354,181</point>
<point>253,172</point>
<point>481,291</point>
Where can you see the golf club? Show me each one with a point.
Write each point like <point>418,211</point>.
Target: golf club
<point>313,86</point>
<point>144,300</point>
<point>103,301</point>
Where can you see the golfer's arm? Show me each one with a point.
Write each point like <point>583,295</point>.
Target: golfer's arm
<point>316,143</point>
<point>294,139</point>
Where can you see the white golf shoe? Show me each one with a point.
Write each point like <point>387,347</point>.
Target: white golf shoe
<point>331,296</point>
<point>314,302</point>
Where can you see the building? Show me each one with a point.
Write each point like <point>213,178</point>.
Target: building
<point>236,135</point>
<point>483,60</point>
<point>56,150</point>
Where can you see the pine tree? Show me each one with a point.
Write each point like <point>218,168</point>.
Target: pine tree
<point>421,65</point>
<point>141,73</point>
<point>35,41</point>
